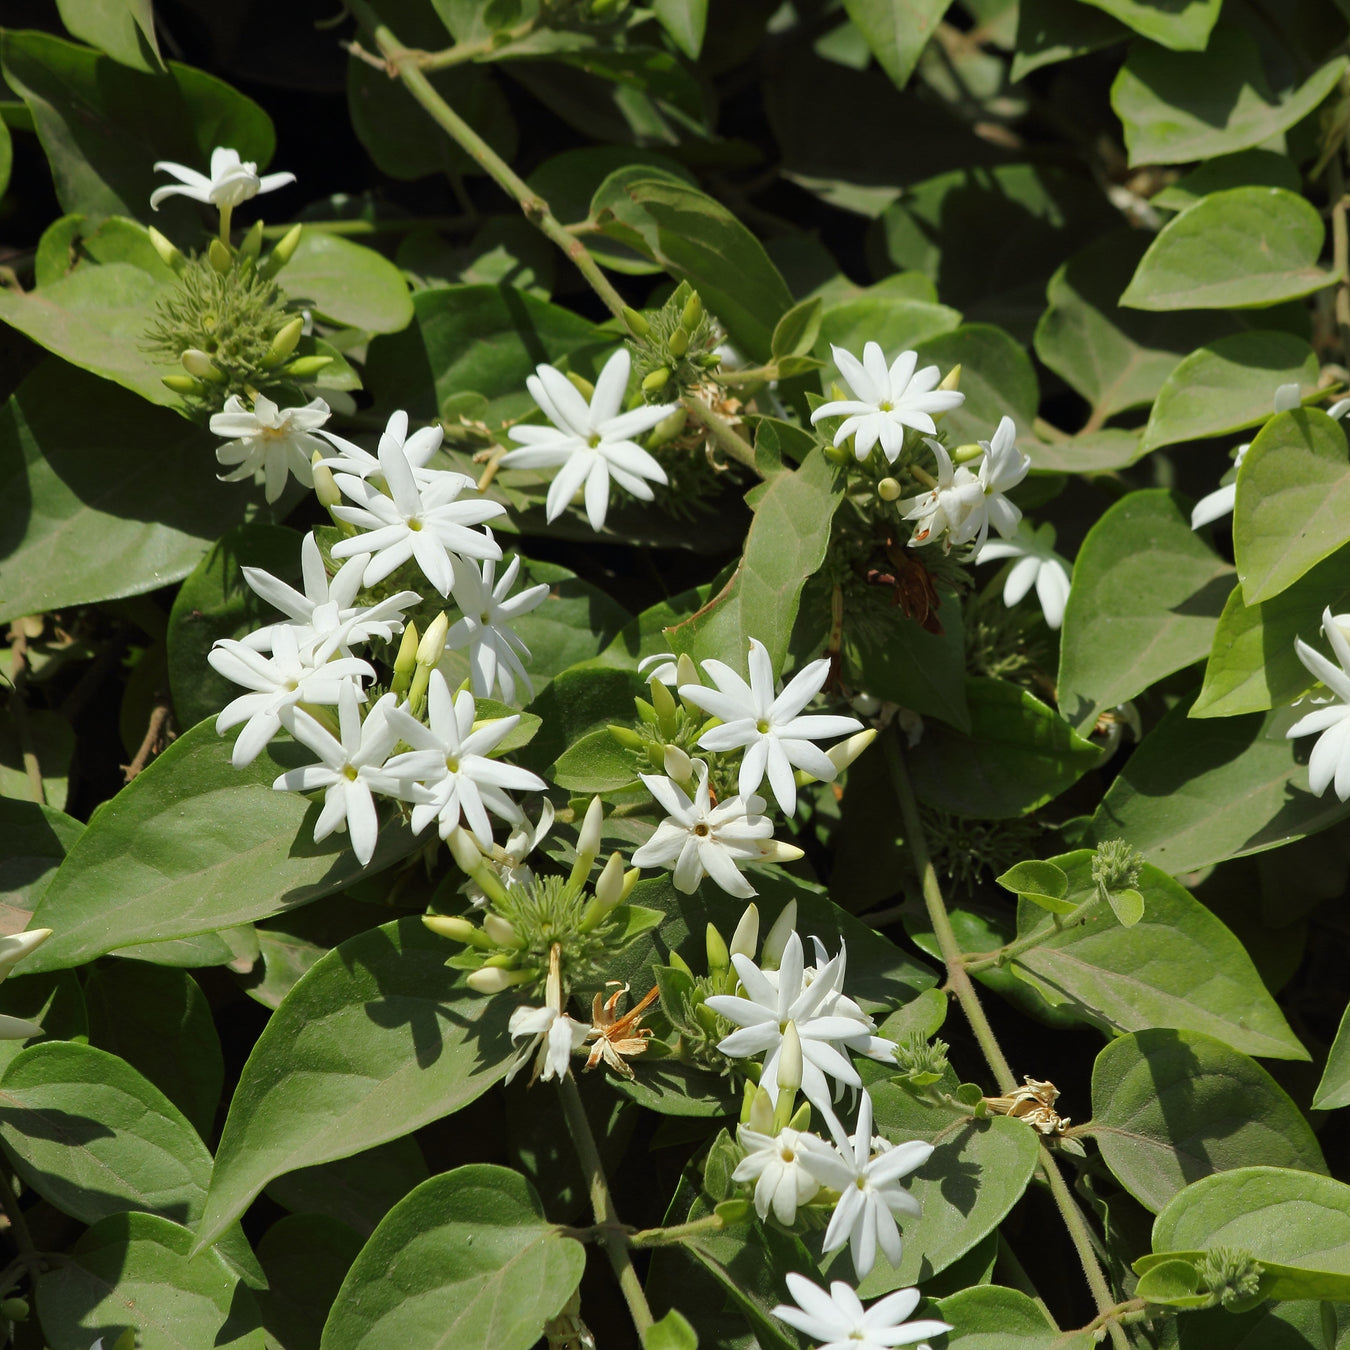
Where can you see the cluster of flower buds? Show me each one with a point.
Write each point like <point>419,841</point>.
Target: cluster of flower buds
<point>674,347</point>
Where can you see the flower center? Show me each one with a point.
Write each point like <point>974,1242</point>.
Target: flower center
<point>452,763</point>
<point>594,440</point>
<point>762,726</point>
<point>787,1155</point>
<point>702,830</point>
<point>414,523</point>
<point>485,619</point>
<point>350,772</point>
<point>885,405</point>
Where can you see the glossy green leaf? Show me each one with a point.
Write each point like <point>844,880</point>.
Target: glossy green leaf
<point>483,338</point>
<point>989,1317</point>
<point>1050,31</point>
<point>192,845</point>
<point>596,763</point>
<point>81,460</point>
<point>1183,27</point>
<point>671,1332</point>
<point>1179,107</point>
<point>1293,501</point>
<point>1170,1107</point>
<point>1147,593</point>
<point>1246,247</point>
<point>158,1021</point>
<point>1018,755</point>
<point>1246,168</point>
<point>138,1271</point>
<point>91,1135</point>
<point>1227,385</point>
<point>468,1259</point>
<point>348,283</point>
<point>379,1019</point>
<point>103,125</point>
<point>125,29</point>
<point>696,239</point>
<point>685,21</point>
<point>54,1001</point>
<point>1253,665</point>
<point>1088,452</point>
<point>1178,967</point>
<point>894,323</point>
<point>796,332</point>
<point>1296,1224</point>
<point>997,379</point>
<point>306,1257</point>
<point>1333,1090</point>
<point>897,31</point>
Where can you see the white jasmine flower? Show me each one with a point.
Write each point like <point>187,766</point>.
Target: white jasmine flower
<point>278,682</point>
<point>1001,469</point>
<point>839,1321</point>
<point>349,771</point>
<point>953,511</point>
<point>886,400</point>
<point>697,837</point>
<point>550,1031</point>
<point>418,449</point>
<point>773,1163</point>
<point>424,523</point>
<point>508,860</point>
<point>775,738</point>
<point>323,618</point>
<point>1037,565</point>
<point>269,440</point>
<point>870,1194</point>
<point>485,628</point>
<point>838,1004</point>
<point>450,761</point>
<point>771,1000</point>
<point>588,443</point>
<point>1330,759</point>
<point>230,182</point>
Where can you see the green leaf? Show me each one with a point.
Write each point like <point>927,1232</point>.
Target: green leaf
<point>1178,967</point>
<point>1244,248</point>
<point>997,379</point>
<point>1041,877</point>
<point>1293,494</point>
<point>1183,27</point>
<point>1088,452</point>
<point>306,1257</point>
<point>468,1259</point>
<point>93,1137</point>
<point>1050,31</point>
<point>696,239</point>
<point>378,1020</point>
<point>484,338</point>
<point>787,542</point>
<point>193,845</point>
<point>1018,755</point>
<point>348,283</point>
<point>137,1271</point>
<point>125,29</point>
<point>988,1317</point>
<point>1253,665</point>
<point>1126,905</point>
<point>596,763</point>
<point>1228,385</point>
<point>55,1002</point>
<point>1179,107</point>
<point>1114,358</point>
<point>1147,592</point>
<point>1334,1089</point>
<point>158,1021</point>
<point>685,21</point>
<point>894,323</point>
<point>897,31</point>
<point>797,330</point>
<point>107,495</point>
<point>1246,168</point>
<point>1173,1284</point>
<point>671,1332</point>
<point>1170,1107</point>
<point>103,126</point>
<point>1296,1224</point>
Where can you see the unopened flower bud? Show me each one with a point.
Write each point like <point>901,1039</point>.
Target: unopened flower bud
<point>775,850</point>
<point>284,341</point>
<point>678,342</point>
<point>686,672</point>
<point>952,379</point>
<point>677,962</point>
<point>790,1061</point>
<point>583,386</point>
<point>325,486</point>
<point>843,754</point>
<point>609,885</point>
<point>196,362</point>
<point>283,252</point>
<point>637,323</point>
<point>251,244</point>
<point>692,312</point>
<point>406,660</point>
<point>964,454</point>
<point>626,737</point>
<point>460,929</point>
<point>500,930</point>
<point>708,360</point>
<point>678,766</point>
<point>305,366</point>
<point>746,937</point>
<point>466,853</point>
<point>14,948</point>
<point>167,250</point>
<point>220,257</point>
<point>588,841</point>
<point>761,1110</point>
<point>667,714</point>
<point>719,959</point>
<point>182,384</point>
<point>889,489</point>
<point>432,646</point>
<point>783,927</point>
<point>668,428</point>
<point>495,980</point>
<point>655,381</point>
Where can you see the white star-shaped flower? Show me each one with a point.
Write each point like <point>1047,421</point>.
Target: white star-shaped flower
<point>449,761</point>
<point>418,449</point>
<point>423,523</point>
<point>776,739</point>
<point>278,682</point>
<point>495,650</point>
<point>953,510</point>
<point>774,1164</point>
<point>697,837</point>
<point>550,1030</point>
<point>1037,565</point>
<point>838,1320</point>
<point>324,618</point>
<point>887,400</point>
<point>1330,759</point>
<point>1001,469</point>
<point>509,860</point>
<point>588,443</point>
<point>870,1194</point>
<point>230,182</point>
<point>350,770</point>
<point>269,440</point>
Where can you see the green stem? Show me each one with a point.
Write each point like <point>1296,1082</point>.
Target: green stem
<point>536,209</point>
<point>1081,1237</point>
<point>226,211</point>
<point>722,432</point>
<point>602,1205</point>
<point>983,960</point>
<point>958,979</point>
<point>463,52</point>
<point>676,1233</point>
<point>344,227</point>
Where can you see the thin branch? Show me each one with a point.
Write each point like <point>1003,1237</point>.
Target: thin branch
<point>732,445</point>
<point>18,711</point>
<point>157,736</point>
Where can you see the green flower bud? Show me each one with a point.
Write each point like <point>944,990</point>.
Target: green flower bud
<point>761,1109</point>
<point>167,250</point>
<point>460,929</point>
<point>406,660</point>
<point>251,244</point>
<point>626,737</point>
<point>305,366</point>
<point>692,313</point>
<point>707,1020</point>
<point>678,342</point>
<point>609,886</point>
<point>432,646</point>
<point>667,712</point>
<point>686,672</point>
<point>325,486</point>
<point>284,251</point>
<point>656,380</point>
<point>707,360</point>
<point>719,960</point>
<point>889,489</point>
<point>182,384</point>
<point>637,324</point>
<point>283,343</point>
<point>494,980</point>
<point>789,1065</point>
<point>588,842</point>
<point>220,257</point>
<point>783,927</point>
<point>746,937</point>
<point>677,962</point>
<point>583,386</point>
<point>677,765</point>
<point>199,364</point>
